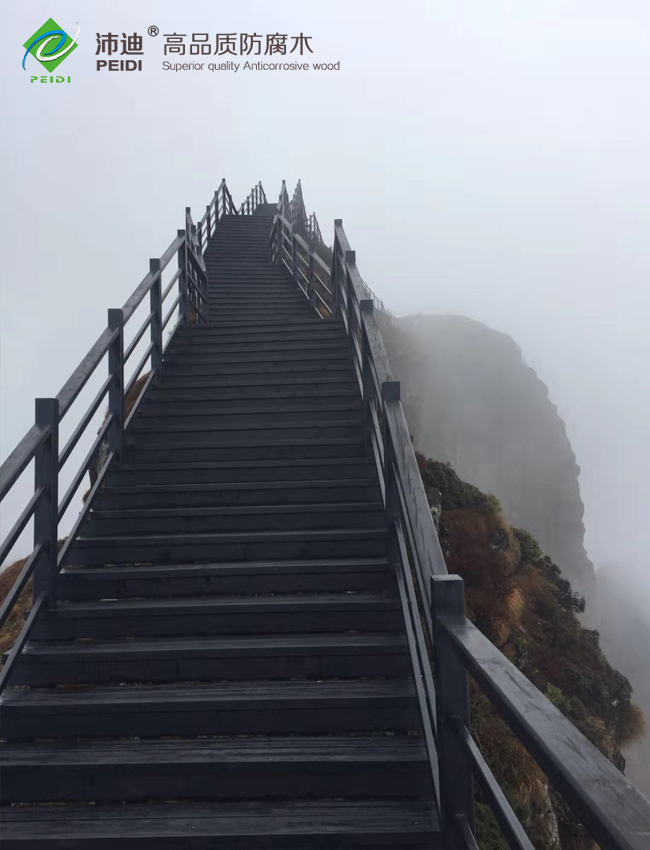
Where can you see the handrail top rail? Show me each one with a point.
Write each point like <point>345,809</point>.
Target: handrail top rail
<point>420,519</point>
<point>15,463</point>
<point>614,811</point>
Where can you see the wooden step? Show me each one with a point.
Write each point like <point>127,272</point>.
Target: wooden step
<point>216,334</point>
<point>225,708</point>
<point>245,493</point>
<point>210,769</point>
<point>200,471</point>
<point>284,363</point>
<point>218,327</point>
<point>341,375</point>
<point>158,400</point>
<point>329,825</point>
<point>179,659</point>
<point>260,449</point>
<point>344,574</point>
<point>201,429</point>
<point>271,409</point>
<point>229,615</point>
<point>231,518</point>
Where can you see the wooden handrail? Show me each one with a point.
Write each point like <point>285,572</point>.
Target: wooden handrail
<point>40,444</point>
<point>611,808</point>
<point>617,815</point>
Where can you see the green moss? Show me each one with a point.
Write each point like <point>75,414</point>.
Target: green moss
<point>531,551</point>
<point>488,833</point>
<point>456,493</point>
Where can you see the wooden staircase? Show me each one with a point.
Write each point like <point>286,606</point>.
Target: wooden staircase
<point>227,666</point>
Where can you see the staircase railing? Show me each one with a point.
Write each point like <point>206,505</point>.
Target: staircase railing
<point>308,270</point>
<point>617,815</point>
<point>221,204</point>
<point>40,446</point>
<point>256,196</point>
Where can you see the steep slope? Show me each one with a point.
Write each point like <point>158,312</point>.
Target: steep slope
<point>470,400</point>
<point>517,597</point>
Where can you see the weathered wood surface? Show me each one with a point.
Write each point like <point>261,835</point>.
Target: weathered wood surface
<point>609,805</point>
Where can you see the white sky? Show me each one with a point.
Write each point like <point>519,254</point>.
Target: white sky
<point>486,158</point>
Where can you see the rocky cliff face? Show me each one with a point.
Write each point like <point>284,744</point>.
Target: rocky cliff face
<point>470,400</point>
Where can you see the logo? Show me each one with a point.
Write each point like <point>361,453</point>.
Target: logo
<point>50,45</point>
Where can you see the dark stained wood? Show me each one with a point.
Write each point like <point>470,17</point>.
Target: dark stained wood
<point>243,825</point>
<point>608,804</point>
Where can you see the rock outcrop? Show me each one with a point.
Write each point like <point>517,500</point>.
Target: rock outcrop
<point>470,400</point>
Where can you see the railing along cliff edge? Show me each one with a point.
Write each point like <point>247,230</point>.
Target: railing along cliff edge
<point>41,443</point>
<point>617,815</point>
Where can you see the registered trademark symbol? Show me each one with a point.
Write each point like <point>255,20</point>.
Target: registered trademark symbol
<point>153,31</point>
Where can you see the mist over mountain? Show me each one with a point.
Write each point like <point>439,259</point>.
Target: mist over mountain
<point>471,400</point>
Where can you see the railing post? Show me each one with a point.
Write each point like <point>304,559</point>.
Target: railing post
<point>275,240</point>
<point>452,708</point>
<point>116,388</point>
<point>155,301</point>
<point>334,271</point>
<point>209,233</point>
<point>350,260</point>
<point>182,280</point>
<point>46,513</point>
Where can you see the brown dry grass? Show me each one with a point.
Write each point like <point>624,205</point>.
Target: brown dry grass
<point>481,550</point>
<point>16,619</point>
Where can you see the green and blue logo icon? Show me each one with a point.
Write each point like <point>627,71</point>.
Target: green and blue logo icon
<point>50,45</point>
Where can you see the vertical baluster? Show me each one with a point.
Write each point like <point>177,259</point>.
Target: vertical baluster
<point>116,388</point>
<point>155,302</point>
<point>366,376</point>
<point>208,223</point>
<point>294,257</point>
<point>452,708</point>
<point>182,280</point>
<point>310,282</point>
<point>46,475</point>
<point>350,260</point>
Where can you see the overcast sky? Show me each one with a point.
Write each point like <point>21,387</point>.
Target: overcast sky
<point>489,159</point>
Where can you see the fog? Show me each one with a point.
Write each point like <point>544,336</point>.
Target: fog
<point>489,159</point>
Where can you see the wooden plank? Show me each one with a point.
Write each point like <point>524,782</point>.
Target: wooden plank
<point>228,708</point>
<point>609,805</point>
<point>241,768</point>
<point>333,824</point>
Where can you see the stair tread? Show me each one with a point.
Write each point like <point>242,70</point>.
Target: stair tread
<point>180,820</point>
<point>259,464</point>
<point>234,568</point>
<point>339,748</point>
<point>163,606</point>
<point>238,485</point>
<point>239,510</point>
<point>251,536</point>
<point>244,695</point>
<point>241,645</point>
